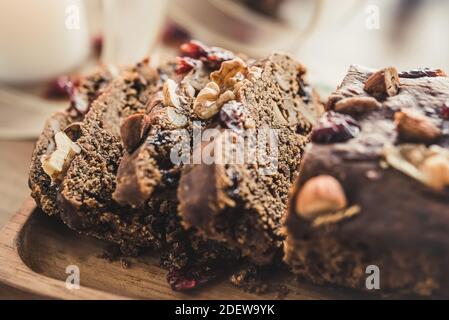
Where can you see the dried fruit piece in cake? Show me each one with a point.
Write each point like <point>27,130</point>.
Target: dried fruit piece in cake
<point>381,197</point>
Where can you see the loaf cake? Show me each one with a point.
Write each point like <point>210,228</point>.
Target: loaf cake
<point>373,186</point>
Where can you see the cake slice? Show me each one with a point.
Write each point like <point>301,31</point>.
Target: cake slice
<point>239,197</point>
<point>147,178</point>
<point>373,188</point>
<point>86,187</point>
<point>43,190</point>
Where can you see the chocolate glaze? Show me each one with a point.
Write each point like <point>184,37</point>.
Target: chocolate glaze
<point>400,217</point>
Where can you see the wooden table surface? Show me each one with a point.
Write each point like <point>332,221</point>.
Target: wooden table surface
<point>14,163</point>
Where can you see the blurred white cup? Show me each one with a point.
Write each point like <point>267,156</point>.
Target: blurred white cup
<point>131,29</point>
<point>40,39</point>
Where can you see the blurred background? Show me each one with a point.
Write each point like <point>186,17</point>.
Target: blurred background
<point>43,41</point>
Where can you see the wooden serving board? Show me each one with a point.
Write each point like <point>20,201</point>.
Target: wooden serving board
<point>35,251</point>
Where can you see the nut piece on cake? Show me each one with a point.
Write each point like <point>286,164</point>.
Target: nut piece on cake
<point>383,83</point>
<point>322,194</point>
<point>413,127</point>
<point>357,105</point>
<point>57,163</point>
<point>133,130</point>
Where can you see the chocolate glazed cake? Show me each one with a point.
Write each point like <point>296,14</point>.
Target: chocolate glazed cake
<point>373,188</point>
<point>241,204</point>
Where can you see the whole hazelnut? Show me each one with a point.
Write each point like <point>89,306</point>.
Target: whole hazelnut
<point>322,194</point>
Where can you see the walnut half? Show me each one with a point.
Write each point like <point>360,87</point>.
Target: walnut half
<point>209,101</point>
<point>230,73</point>
<point>56,164</point>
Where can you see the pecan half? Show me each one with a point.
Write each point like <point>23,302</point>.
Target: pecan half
<point>383,84</point>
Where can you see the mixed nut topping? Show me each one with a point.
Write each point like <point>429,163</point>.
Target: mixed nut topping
<point>205,105</point>
<point>222,89</point>
<point>230,73</point>
<point>171,98</point>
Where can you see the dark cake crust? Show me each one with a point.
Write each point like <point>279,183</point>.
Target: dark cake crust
<point>391,220</point>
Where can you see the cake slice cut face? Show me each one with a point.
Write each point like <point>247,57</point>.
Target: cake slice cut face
<point>85,192</point>
<point>231,99</point>
<point>373,191</point>
<point>148,175</point>
<point>43,190</point>
<point>237,192</point>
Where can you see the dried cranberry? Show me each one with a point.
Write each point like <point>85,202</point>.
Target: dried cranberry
<point>445,111</point>
<point>174,34</point>
<point>97,45</point>
<point>216,56</point>
<point>192,277</point>
<point>335,127</point>
<point>194,50</point>
<point>185,65</point>
<point>232,116</point>
<point>421,73</point>
<point>59,88</point>
<point>79,105</point>
<point>212,57</point>
<point>178,281</point>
